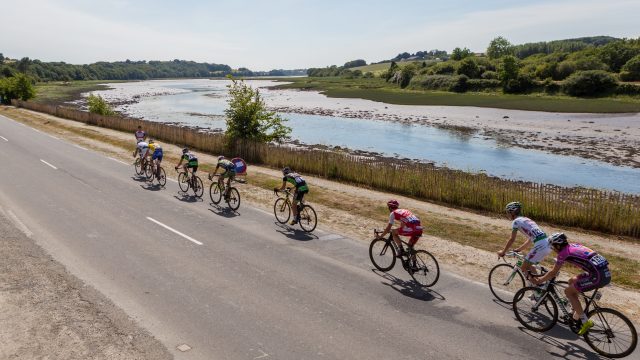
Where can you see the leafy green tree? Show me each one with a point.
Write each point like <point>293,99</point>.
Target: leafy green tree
<point>248,117</point>
<point>459,54</point>
<point>97,105</point>
<point>631,70</point>
<point>468,67</point>
<point>1,58</point>
<point>508,69</point>
<point>499,47</point>
<point>589,83</point>
<point>616,54</point>
<point>354,63</point>
<point>23,65</point>
<point>16,87</point>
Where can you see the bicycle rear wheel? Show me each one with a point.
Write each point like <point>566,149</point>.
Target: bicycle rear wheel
<point>382,254</point>
<point>308,218</point>
<point>535,309</point>
<point>612,335</point>
<point>233,199</point>
<point>198,189</point>
<point>504,282</point>
<point>137,167</point>
<point>148,170</point>
<point>281,210</point>
<point>426,271</point>
<point>162,179</point>
<point>183,181</point>
<point>215,193</point>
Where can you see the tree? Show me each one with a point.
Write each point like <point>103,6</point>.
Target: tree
<point>509,69</point>
<point>616,54</point>
<point>468,67</point>
<point>631,70</point>
<point>589,83</point>
<point>459,54</point>
<point>499,47</point>
<point>23,65</point>
<point>97,105</point>
<point>16,87</point>
<point>354,63</point>
<point>248,118</point>
<point>1,58</point>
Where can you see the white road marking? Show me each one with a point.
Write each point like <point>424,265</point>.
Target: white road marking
<point>19,223</point>
<point>79,147</point>
<point>3,138</point>
<point>51,136</point>
<point>175,231</point>
<point>121,162</point>
<point>34,129</point>
<point>55,168</point>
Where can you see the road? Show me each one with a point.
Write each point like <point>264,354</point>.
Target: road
<point>238,285</point>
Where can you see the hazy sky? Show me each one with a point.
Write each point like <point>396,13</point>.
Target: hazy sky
<point>268,34</point>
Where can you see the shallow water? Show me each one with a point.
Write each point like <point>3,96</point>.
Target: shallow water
<point>202,103</point>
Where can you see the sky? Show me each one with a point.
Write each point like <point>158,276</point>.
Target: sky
<point>290,34</point>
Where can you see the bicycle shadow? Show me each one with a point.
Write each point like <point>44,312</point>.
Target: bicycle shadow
<point>151,186</point>
<point>185,197</point>
<point>409,288</point>
<point>508,307</point>
<point>572,349</point>
<point>223,211</point>
<point>293,233</point>
<point>139,178</point>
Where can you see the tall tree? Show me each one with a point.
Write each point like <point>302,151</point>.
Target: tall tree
<point>499,47</point>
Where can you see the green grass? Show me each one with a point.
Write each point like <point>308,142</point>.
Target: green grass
<point>378,90</point>
<point>58,92</point>
<point>377,68</point>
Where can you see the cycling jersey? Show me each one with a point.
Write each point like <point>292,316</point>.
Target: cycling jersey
<point>156,150</point>
<point>596,267</point>
<point>529,228</point>
<point>140,135</point>
<point>410,224</point>
<point>190,158</point>
<point>296,180</point>
<point>142,147</point>
<point>227,165</point>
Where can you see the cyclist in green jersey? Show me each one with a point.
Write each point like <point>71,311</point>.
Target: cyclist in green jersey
<point>191,161</point>
<point>301,189</point>
<point>229,172</point>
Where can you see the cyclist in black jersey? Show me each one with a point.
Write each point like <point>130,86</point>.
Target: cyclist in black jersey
<point>301,189</point>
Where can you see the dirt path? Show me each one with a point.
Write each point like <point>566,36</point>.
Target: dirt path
<point>351,210</point>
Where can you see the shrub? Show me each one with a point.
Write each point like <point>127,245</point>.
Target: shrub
<point>439,82</point>
<point>589,83</point>
<point>631,70</point>
<point>628,89</point>
<point>460,84</point>
<point>482,84</point>
<point>565,69</point>
<point>97,105</point>
<point>489,75</point>
<point>468,67</point>
<point>520,84</point>
<point>442,68</point>
<point>550,86</point>
<point>367,75</point>
<point>19,86</point>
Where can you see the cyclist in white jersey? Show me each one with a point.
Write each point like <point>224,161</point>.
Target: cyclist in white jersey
<point>534,234</point>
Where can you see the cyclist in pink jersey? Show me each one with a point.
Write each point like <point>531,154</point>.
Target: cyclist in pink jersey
<point>409,226</point>
<point>596,273</point>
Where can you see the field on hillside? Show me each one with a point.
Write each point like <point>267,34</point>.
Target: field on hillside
<point>377,68</point>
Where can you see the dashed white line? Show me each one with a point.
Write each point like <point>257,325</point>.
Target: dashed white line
<point>79,147</point>
<point>19,223</point>
<point>175,231</point>
<point>3,138</point>
<point>121,162</point>
<point>55,168</point>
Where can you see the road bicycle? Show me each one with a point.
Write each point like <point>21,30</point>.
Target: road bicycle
<point>139,166</point>
<point>231,194</point>
<point>187,181</point>
<point>420,264</point>
<point>613,335</point>
<point>153,175</point>
<point>308,219</point>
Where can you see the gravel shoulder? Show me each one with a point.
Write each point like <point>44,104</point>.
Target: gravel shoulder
<point>47,313</point>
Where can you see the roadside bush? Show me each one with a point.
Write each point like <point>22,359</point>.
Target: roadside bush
<point>631,70</point>
<point>523,83</point>
<point>482,84</point>
<point>589,83</point>
<point>628,89</point>
<point>97,105</point>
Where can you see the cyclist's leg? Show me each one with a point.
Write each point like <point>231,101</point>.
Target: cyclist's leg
<point>535,256</point>
<point>395,234</point>
<point>572,294</point>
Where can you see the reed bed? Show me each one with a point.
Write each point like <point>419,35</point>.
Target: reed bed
<point>606,211</point>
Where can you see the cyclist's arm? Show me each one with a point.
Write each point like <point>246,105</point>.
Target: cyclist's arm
<point>180,163</point>
<point>514,233</point>
<point>284,185</point>
<point>547,276</point>
<point>524,245</point>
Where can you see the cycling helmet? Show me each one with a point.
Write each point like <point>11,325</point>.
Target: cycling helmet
<point>286,171</point>
<point>151,141</point>
<point>220,157</point>
<point>185,150</point>
<point>513,207</point>
<point>393,204</point>
<point>558,240</point>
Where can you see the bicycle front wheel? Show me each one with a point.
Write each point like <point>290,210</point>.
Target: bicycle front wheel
<point>162,178</point>
<point>183,181</point>
<point>612,335</point>
<point>504,282</point>
<point>382,254</point>
<point>148,171</point>
<point>426,271</point>
<point>137,167</point>
<point>308,218</point>
<point>215,193</point>
<point>535,309</point>
<point>198,189</point>
<point>282,210</point>
<point>233,199</point>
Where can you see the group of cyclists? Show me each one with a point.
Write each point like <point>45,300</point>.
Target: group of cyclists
<point>595,268</point>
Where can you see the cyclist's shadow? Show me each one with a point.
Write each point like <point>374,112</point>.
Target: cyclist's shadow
<point>565,349</point>
<point>223,211</point>
<point>293,233</point>
<point>151,187</point>
<point>185,197</point>
<point>409,288</point>
<point>139,178</point>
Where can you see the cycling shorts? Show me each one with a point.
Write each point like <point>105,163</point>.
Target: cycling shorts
<point>590,281</point>
<point>193,165</point>
<point>157,155</point>
<point>300,195</point>
<point>413,230</point>
<point>228,174</point>
<point>540,250</point>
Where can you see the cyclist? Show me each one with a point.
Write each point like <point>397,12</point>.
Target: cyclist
<point>301,189</point>
<point>229,172</point>
<point>409,226</point>
<point>191,162</point>
<point>534,234</point>
<point>155,150</point>
<point>140,134</point>
<point>141,149</point>
<point>596,274</point>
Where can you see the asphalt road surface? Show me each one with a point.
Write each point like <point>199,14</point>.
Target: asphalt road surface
<point>238,285</point>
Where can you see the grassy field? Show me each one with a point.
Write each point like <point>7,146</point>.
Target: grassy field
<point>377,68</point>
<point>378,90</point>
<point>58,92</point>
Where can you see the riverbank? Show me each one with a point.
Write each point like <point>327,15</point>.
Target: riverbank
<point>452,234</point>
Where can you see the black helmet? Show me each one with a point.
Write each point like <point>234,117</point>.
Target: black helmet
<point>286,171</point>
<point>185,150</point>
<point>558,240</point>
<point>513,207</point>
